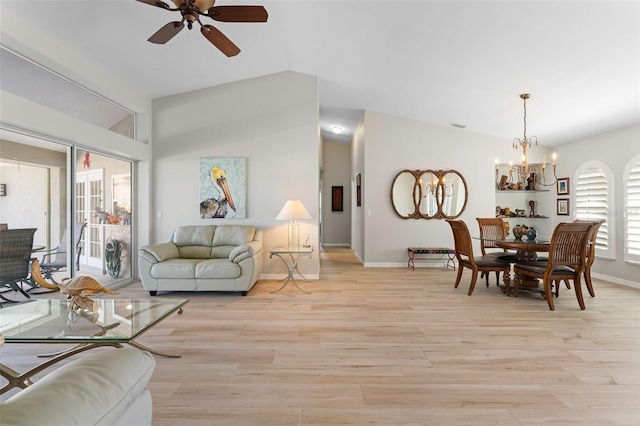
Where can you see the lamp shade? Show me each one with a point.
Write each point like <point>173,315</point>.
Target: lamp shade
<point>293,210</point>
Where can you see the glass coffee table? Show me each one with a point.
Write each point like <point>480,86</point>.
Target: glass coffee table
<point>116,322</point>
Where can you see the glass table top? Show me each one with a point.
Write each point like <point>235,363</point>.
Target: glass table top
<point>285,249</point>
<point>116,320</point>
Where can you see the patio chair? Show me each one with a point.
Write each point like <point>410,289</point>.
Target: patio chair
<point>567,258</point>
<point>56,259</point>
<point>466,259</point>
<point>15,260</point>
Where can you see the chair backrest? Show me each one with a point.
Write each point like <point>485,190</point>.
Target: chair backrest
<point>491,229</point>
<point>462,240</point>
<point>15,253</point>
<point>62,252</point>
<point>591,252</point>
<point>79,231</point>
<point>569,245</point>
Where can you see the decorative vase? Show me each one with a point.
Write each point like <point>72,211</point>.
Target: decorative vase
<point>518,232</point>
<point>532,234</point>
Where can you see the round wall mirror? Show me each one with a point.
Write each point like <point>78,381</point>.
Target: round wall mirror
<point>454,194</point>
<point>429,194</point>
<point>428,183</point>
<point>404,193</point>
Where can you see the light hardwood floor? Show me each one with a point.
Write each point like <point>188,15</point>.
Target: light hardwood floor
<point>392,346</point>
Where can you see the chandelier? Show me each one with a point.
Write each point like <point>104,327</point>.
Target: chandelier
<point>525,142</point>
<point>529,176</point>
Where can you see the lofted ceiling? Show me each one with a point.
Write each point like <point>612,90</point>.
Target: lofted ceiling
<point>461,63</point>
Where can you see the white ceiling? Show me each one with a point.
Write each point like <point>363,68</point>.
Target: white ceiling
<point>441,62</point>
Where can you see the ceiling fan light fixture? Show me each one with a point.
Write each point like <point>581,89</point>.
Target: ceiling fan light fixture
<point>192,10</point>
<point>202,5</point>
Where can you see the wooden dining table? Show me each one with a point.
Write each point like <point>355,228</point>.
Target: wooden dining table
<point>526,251</point>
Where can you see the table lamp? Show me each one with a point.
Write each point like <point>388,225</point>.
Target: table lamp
<point>292,211</point>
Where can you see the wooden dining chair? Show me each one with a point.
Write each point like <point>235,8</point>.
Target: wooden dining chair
<point>591,252</point>
<point>466,259</point>
<point>591,257</point>
<point>492,229</point>
<point>566,262</point>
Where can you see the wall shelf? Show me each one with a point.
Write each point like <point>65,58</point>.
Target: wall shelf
<point>523,217</point>
<point>519,191</point>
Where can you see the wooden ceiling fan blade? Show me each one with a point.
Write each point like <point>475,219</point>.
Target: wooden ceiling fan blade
<point>157,3</point>
<point>166,33</point>
<point>238,13</point>
<point>219,40</point>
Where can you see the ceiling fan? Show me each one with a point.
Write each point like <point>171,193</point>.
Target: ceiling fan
<point>191,11</point>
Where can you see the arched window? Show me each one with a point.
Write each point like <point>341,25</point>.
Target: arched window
<point>632,211</point>
<point>593,200</point>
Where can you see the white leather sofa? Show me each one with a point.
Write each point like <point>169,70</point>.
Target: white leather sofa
<point>203,258</point>
<point>103,388</point>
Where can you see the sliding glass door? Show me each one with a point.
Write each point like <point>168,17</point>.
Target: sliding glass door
<point>47,190</point>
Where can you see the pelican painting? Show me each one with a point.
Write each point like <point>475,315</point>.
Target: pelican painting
<point>217,179</point>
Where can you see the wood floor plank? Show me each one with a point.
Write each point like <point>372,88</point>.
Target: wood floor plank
<point>391,346</point>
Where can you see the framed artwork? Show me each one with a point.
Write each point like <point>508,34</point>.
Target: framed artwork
<point>563,206</point>
<point>358,190</point>
<point>223,188</point>
<point>336,198</point>
<point>563,186</point>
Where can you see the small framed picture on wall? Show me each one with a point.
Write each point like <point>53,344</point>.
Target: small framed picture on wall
<point>336,198</point>
<point>563,206</point>
<point>563,186</point>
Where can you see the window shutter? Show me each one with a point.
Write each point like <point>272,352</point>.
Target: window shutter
<point>592,202</point>
<point>632,240</point>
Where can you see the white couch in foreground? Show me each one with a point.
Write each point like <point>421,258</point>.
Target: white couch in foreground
<point>105,388</point>
<point>203,258</point>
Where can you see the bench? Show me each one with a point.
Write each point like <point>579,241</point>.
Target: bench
<point>413,251</point>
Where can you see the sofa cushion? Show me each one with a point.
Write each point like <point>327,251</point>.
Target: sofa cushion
<point>96,389</point>
<point>195,252</point>
<point>194,235</point>
<point>233,235</point>
<point>221,252</point>
<point>175,268</point>
<point>217,269</point>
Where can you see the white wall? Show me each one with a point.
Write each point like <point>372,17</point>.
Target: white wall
<point>273,122</point>
<point>337,168</point>
<point>392,144</point>
<point>358,216</point>
<point>38,181</point>
<point>615,149</point>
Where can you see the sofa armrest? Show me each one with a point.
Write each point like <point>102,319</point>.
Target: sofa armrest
<point>155,253</point>
<point>245,251</point>
<point>98,389</point>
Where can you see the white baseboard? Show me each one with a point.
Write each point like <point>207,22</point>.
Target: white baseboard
<point>615,280</point>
